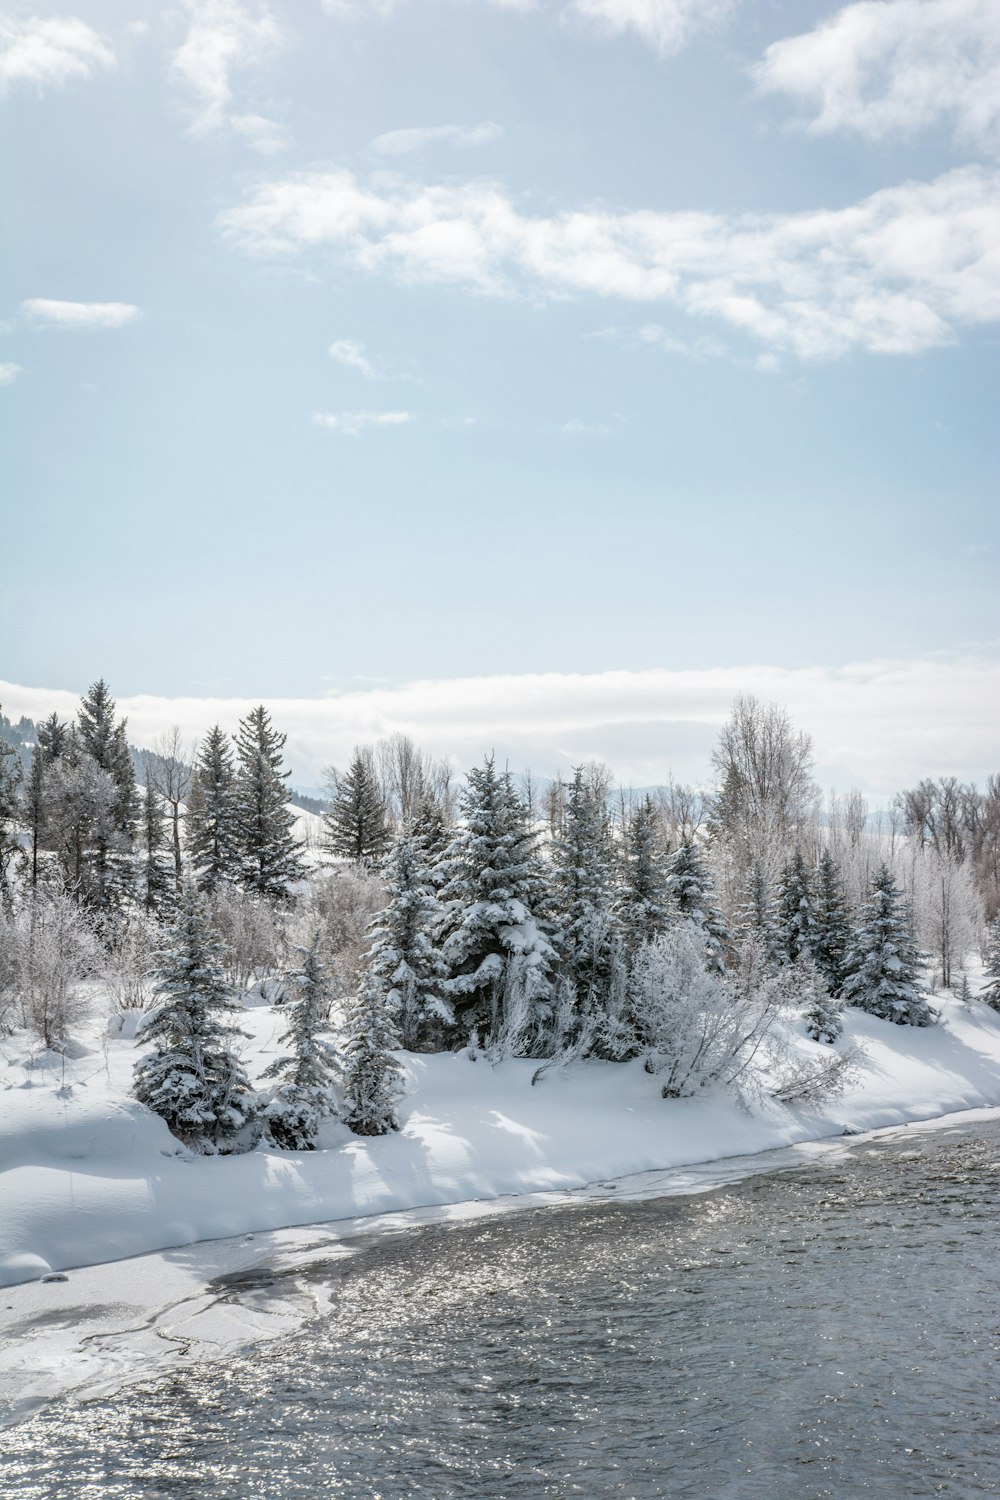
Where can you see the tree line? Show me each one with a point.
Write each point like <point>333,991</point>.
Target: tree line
<point>556,921</point>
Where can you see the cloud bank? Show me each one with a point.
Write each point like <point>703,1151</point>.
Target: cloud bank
<point>878,725</point>
<point>895,67</point>
<point>50,52</point>
<point>902,271</point>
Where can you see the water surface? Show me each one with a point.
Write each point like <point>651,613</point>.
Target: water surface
<point>832,1331</point>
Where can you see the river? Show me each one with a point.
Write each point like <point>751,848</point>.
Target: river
<point>828,1331</point>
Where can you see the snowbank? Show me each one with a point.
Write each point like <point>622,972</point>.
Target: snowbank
<point>90,1176</point>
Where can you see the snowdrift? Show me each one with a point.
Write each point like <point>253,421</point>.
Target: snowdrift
<point>90,1176</point>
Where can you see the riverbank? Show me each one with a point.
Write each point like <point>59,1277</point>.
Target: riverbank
<point>92,1177</point>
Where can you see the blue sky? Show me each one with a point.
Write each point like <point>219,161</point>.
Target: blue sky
<point>366,342</point>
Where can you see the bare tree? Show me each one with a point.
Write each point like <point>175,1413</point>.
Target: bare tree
<point>172,767</point>
<point>766,795</point>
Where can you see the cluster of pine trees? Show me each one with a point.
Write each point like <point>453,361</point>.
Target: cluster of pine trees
<point>568,924</point>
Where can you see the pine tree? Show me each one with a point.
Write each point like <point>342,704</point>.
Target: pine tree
<point>373,1078</point>
<point>357,825</point>
<point>691,891</point>
<point>643,906</point>
<point>831,933</point>
<point>404,962</point>
<point>269,854</point>
<point>796,917</point>
<point>495,941</point>
<point>193,1079</point>
<point>101,737</point>
<point>884,964</point>
<point>308,1073</point>
<point>757,917</point>
<point>990,991</point>
<point>157,870</point>
<point>822,1013</point>
<point>212,814</point>
<point>583,895</point>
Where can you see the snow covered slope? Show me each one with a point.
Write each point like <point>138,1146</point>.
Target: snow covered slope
<point>90,1175</point>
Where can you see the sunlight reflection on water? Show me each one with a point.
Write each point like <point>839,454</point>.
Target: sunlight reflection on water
<point>828,1332</point>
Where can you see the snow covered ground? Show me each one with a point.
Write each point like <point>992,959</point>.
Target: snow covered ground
<point>90,1177</point>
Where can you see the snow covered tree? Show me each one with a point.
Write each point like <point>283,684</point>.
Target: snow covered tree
<point>583,895</point>
<point>270,858</point>
<point>357,825</point>
<point>211,822</point>
<point>102,737</point>
<point>81,826</point>
<point>307,1089</point>
<point>883,965</point>
<point>157,873</point>
<point>643,903</point>
<point>494,939</point>
<point>757,915</point>
<point>193,1078</point>
<point>10,813</point>
<point>691,891</point>
<point>696,1026</point>
<point>990,991</point>
<point>796,918</point>
<point>403,961</point>
<point>830,938</point>
<point>821,1012</point>
<point>373,1077</point>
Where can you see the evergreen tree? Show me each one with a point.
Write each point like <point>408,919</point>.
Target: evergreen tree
<point>10,813</point>
<point>831,933</point>
<point>583,895</point>
<point>101,737</point>
<point>52,739</point>
<point>193,1078</point>
<point>796,916</point>
<point>643,906</point>
<point>495,942</point>
<point>306,1093</point>
<point>691,890</point>
<point>157,870</point>
<point>884,964</point>
<point>373,1078</point>
<point>991,989</point>
<point>269,854</point>
<point>403,962</point>
<point>821,1011</point>
<point>357,825</point>
<point>212,814</point>
<point>757,917</point>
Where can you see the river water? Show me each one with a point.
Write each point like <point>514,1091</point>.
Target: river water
<point>831,1331</point>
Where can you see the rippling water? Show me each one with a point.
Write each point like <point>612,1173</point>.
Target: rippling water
<point>834,1331</point>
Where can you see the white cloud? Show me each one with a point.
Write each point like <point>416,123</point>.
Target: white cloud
<point>879,725</point>
<point>45,312</point>
<point>50,51</point>
<point>405,142</point>
<point>894,67</point>
<point>9,371</point>
<point>350,353</point>
<point>222,37</point>
<point>351,423</point>
<point>665,25</point>
<point>898,272</point>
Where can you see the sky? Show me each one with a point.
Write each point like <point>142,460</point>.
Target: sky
<point>449,364</point>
